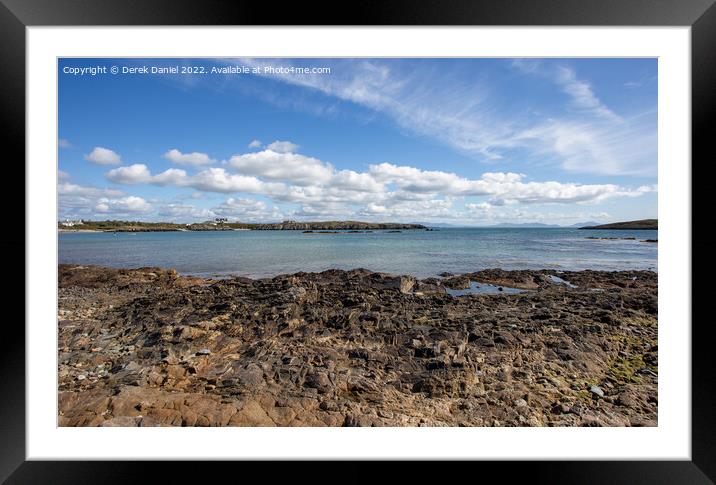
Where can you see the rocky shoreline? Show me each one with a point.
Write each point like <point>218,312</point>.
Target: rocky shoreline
<point>148,347</point>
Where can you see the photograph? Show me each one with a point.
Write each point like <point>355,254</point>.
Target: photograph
<point>357,241</point>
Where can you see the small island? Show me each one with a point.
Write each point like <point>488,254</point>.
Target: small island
<point>223,225</point>
<point>652,224</point>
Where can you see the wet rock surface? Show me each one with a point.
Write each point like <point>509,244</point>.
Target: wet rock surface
<point>147,347</point>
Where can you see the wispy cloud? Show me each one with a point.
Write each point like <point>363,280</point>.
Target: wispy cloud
<point>587,136</point>
<point>582,94</point>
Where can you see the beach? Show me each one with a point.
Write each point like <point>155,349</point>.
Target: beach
<point>475,347</point>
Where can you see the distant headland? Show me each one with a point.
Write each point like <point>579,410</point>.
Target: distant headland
<point>224,225</point>
<point>640,224</point>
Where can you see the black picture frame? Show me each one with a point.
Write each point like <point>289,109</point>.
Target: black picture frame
<point>16,15</point>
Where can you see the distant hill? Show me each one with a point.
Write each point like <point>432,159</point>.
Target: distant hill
<point>580,225</point>
<point>524,224</point>
<point>641,224</point>
<point>436,224</point>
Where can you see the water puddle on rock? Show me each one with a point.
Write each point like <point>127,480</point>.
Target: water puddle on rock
<point>560,281</point>
<point>477,288</point>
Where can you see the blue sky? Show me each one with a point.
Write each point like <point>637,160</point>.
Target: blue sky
<point>462,141</point>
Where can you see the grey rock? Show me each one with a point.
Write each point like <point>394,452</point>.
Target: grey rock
<point>597,391</point>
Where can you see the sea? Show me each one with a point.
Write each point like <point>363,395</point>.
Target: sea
<point>420,253</point>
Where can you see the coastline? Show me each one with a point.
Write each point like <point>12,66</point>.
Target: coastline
<point>128,226</point>
<point>150,347</point>
<point>60,229</point>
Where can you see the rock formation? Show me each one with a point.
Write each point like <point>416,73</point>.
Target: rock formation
<point>147,347</point>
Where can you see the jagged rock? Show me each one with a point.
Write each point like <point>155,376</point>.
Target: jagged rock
<point>148,347</point>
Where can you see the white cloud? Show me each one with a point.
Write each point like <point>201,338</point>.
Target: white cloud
<point>132,174</point>
<point>246,210</point>
<point>299,169</point>
<point>125,205</point>
<point>184,212</point>
<point>355,181</point>
<point>458,111</point>
<point>490,214</point>
<point>103,156</point>
<point>413,179</point>
<point>526,65</point>
<point>411,210</point>
<point>209,180</point>
<point>62,175</point>
<point>447,107</point>
<point>255,144</point>
<point>171,176</point>
<point>64,143</point>
<point>84,202</point>
<point>504,188</point>
<point>70,189</point>
<point>283,147</point>
<point>582,94</point>
<point>219,180</point>
<point>384,188</point>
<point>597,148</point>
<point>481,207</point>
<point>234,209</point>
<point>195,159</point>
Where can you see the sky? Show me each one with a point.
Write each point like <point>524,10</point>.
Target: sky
<point>459,141</point>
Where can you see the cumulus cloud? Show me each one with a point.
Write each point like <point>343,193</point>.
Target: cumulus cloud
<point>172,176</point>
<point>384,188</point>
<point>219,180</point>
<point>404,210</point>
<point>132,174</point>
<point>62,175</point>
<point>504,188</point>
<point>70,189</point>
<point>76,201</point>
<point>487,213</point>
<point>103,156</point>
<point>82,202</point>
<point>125,205</point>
<point>280,165</point>
<point>64,143</point>
<point>283,147</point>
<point>195,159</point>
<point>184,212</point>
<point>355,181</point>
<point>233,208</point>
<point>243,209</point>
<point>209,180</point>
<point>255,144</point>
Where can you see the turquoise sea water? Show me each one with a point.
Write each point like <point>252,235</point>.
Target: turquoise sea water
<point>420,253</point>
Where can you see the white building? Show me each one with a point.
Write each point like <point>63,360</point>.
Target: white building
<point>69,223</point>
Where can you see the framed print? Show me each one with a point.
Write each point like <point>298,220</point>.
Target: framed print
<point>437,233</point>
